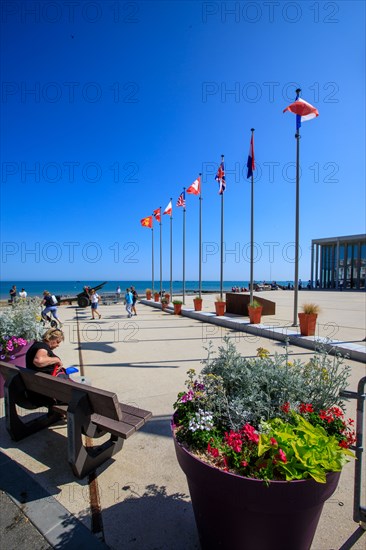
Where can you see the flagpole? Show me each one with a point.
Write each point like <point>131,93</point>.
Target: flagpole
<point>200,242</point>
<point>184,248</point>
<point>161,256</point>
<point>297,220</point>
<point>252,232</point>
<point>152,258</point>
<point>171,250</point>
<point>222,241</point>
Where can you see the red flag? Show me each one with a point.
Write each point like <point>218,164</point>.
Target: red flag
<point>195,188</point>
<point>168,209</point>
<point>157,214</point>
<point>147,222</point>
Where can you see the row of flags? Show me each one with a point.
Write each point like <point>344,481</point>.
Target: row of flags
<point>302,109</point>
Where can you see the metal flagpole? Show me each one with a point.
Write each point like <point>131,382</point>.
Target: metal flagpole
<point>222,241</point>
<point>184,248</point>
<point>200,242</point>
<point>152,257</point>
<point>171,250</point>
<point>252,231</point>
<point>161,256</point>
<point>297,222</point>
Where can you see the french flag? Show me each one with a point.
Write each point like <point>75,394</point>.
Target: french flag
<point>251,161</point>
<point>303,110</point>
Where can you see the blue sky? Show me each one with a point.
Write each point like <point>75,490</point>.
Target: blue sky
<point>111,108</point>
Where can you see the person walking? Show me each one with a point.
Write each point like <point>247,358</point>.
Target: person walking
<point>94,300</point>
<point>134,299</point>
<point>128,302</point>
<point>23,293</point>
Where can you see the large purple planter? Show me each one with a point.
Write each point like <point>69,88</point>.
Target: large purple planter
<point>19,361</point>
<point>238,513</point>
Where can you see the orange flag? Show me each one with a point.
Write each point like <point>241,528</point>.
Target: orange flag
<point>147,222</point>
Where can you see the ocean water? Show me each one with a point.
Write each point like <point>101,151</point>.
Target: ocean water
<point>71,288</point>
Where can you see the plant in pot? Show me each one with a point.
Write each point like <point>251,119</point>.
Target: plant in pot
<point>164,303</point>
<point>148,293</point>
<point>220,305</point>
<point>167,296</point>
<point>262,442</point>
<point>156,297</point>
<point>255,312</point>
<point>308,319</point>
<point>197,302</point>
<point>177,307</point>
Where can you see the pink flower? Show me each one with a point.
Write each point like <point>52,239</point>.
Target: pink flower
<point>273,441</point>
<point>244,463</point>
<point>282,455</point>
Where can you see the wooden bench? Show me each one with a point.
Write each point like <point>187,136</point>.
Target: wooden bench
<point>89,411</point>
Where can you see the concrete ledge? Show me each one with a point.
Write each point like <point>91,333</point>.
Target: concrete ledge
<point>273,332</point>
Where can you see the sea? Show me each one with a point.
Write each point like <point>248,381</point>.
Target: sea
<point>72,288</point>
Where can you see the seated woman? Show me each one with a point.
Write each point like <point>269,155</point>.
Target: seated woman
<point>40,356</point>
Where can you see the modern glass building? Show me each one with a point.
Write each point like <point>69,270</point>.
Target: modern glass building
<point>339,262</point>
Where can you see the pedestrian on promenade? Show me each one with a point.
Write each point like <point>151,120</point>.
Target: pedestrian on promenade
<point>118,292</point>
<point>50,303</point>
<point>13,293</point>
<point>128,302</point>
<point>134,299</point>
<point>94,300</point>
<point>22,294</point>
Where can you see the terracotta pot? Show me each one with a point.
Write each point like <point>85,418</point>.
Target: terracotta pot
<point>220,308</point>
<point>255,314</point>
<point>156,297</point>
<point>148,295</point>
<point>237,513</point>
<point>167,296</point>
<point>197,302</point>
<point>177,309</point>
<point>307,323</point>
<point>164,305</point>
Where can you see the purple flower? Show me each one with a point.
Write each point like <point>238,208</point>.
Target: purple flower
<point>12,357</point>
<point>2,357</point>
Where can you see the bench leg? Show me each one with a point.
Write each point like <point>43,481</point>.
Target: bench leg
<point>83,459</point>
<point>14,394</point>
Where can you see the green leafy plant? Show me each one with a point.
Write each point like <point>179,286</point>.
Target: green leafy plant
<point>219,298</point>
<point>267,417</point>
<point>254,304</point>
<point>177,302</point>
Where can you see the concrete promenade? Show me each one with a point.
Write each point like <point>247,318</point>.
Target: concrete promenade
<point>140,499</point>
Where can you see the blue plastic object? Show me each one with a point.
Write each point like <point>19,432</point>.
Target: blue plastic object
<point>71,370</point>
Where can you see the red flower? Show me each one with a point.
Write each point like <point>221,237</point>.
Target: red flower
<point>282,455</point>
<point>306,408</point>
<point>285,407</point>
<point>273,441</point>
<point>244,463</point>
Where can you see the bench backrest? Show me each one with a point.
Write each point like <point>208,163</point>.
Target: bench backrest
<point>102,402</point>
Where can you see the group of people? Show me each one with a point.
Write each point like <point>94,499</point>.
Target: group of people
<point>13,293</point>
<point>130,301</point>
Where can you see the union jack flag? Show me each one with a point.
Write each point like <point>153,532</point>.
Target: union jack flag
<point>220,178</point>
<point>182,199</point>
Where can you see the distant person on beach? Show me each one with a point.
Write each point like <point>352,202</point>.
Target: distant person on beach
<point>40,356</point>
<point>50,307</point>
<point>22,294</point>
<point>341,285</point>
<point>134,299</point>
<point>94,300</point>
<point>128,302</point>
<point>13,293</point>
<point>118,292</point>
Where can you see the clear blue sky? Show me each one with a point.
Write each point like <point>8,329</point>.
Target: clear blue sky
<point>111,108</point>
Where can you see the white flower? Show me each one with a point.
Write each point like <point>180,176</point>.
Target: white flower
<point>201,421</point>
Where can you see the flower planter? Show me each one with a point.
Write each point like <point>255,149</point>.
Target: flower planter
<point>255,314</point>
<point>307,323</point>
<point>220,308</point>
<point>167,296</point>
<point>156,297</point>
<point>177,309</point>
<point>19,361</point>
<point>197,302</point>
<point>237,513</point>
<point>148,295</point>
